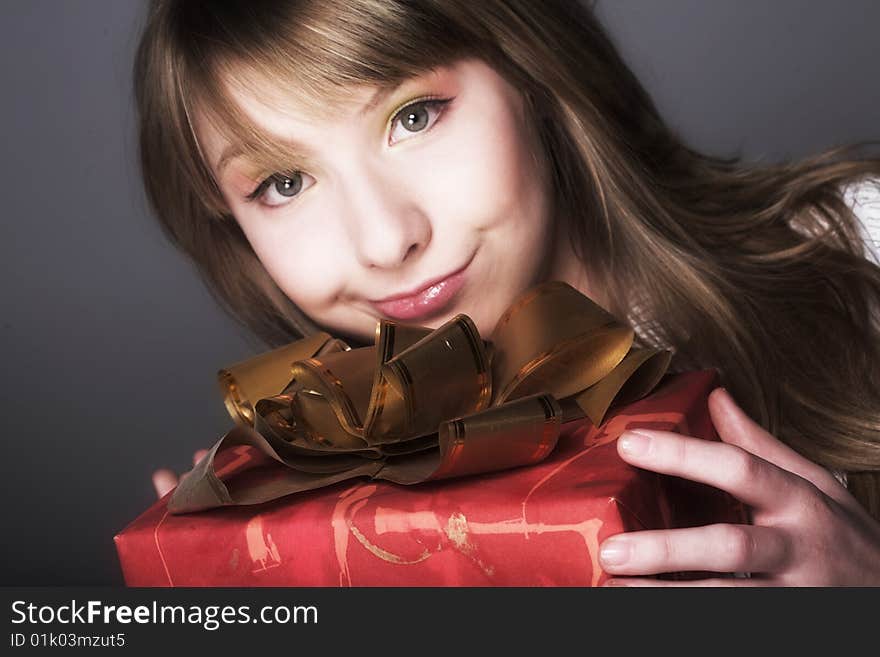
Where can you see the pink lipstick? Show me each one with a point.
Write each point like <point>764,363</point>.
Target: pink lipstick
<point>427,301</point>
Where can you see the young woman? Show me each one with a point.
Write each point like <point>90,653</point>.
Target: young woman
<point>329,163</point>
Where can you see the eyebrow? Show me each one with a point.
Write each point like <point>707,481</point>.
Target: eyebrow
<point>233,150</point>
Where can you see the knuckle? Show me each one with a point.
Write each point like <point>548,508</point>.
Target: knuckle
<point>668,547</point>
<point>680,451</point>
<point>685,452</point>
<point>739,545</point>
<point>665,549</point>
<point>743,468</point>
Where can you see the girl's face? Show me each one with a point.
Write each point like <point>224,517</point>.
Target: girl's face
<point>442,202</point>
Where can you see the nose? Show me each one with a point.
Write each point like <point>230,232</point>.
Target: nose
<point>389,226</point>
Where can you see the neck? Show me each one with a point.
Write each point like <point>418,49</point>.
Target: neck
<point>567,267</point>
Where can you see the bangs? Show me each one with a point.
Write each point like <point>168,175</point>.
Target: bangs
<point>322,50</point>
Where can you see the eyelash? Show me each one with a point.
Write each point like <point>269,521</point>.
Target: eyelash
<point>427,102</point>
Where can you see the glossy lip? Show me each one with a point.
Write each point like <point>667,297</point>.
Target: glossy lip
<point>427,300</point>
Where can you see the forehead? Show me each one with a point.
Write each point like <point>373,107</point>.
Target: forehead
<point>254,116</point>
<point>256,123</point>
<point>240,107</point>
<point>297,98</point>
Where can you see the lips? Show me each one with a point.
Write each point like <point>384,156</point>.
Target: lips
<point>427,301</point>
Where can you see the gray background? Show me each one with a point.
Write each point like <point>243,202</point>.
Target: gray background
<point>110,341</point>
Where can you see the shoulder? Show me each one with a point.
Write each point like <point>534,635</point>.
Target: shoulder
<point>863,197</point>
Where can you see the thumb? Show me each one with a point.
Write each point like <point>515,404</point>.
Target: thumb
<point>735,427</point>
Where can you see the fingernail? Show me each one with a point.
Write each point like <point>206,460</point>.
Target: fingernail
<point>634,442</point>
<point>726,394</point>
<point>615,552</point>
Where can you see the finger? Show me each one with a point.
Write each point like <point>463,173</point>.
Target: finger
<point>640,582</point>
<point>750,479</point>
<point>199,455</point>
<point>720,548</point>
<point>163,481</point>
<point>735,427</point>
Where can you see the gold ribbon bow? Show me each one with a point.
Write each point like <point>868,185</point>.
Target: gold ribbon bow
<point>424,404</point>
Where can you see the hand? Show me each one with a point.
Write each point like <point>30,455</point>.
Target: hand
<point>807,529</point>
<point>164,479</point>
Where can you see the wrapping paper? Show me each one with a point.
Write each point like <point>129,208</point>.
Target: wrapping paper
<point>539,525</point>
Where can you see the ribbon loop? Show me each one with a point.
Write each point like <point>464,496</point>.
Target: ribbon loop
<point>445,374</point>
<point>519,433</point>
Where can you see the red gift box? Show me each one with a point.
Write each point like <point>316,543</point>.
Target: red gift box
<point>531,526</point>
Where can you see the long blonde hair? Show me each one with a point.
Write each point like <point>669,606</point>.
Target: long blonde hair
<point>754,269</point>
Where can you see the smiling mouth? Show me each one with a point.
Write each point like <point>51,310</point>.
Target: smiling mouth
<point>426,302</point>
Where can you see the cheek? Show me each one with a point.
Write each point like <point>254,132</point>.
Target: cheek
<point>485,175</point>
<point>301,254</point>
